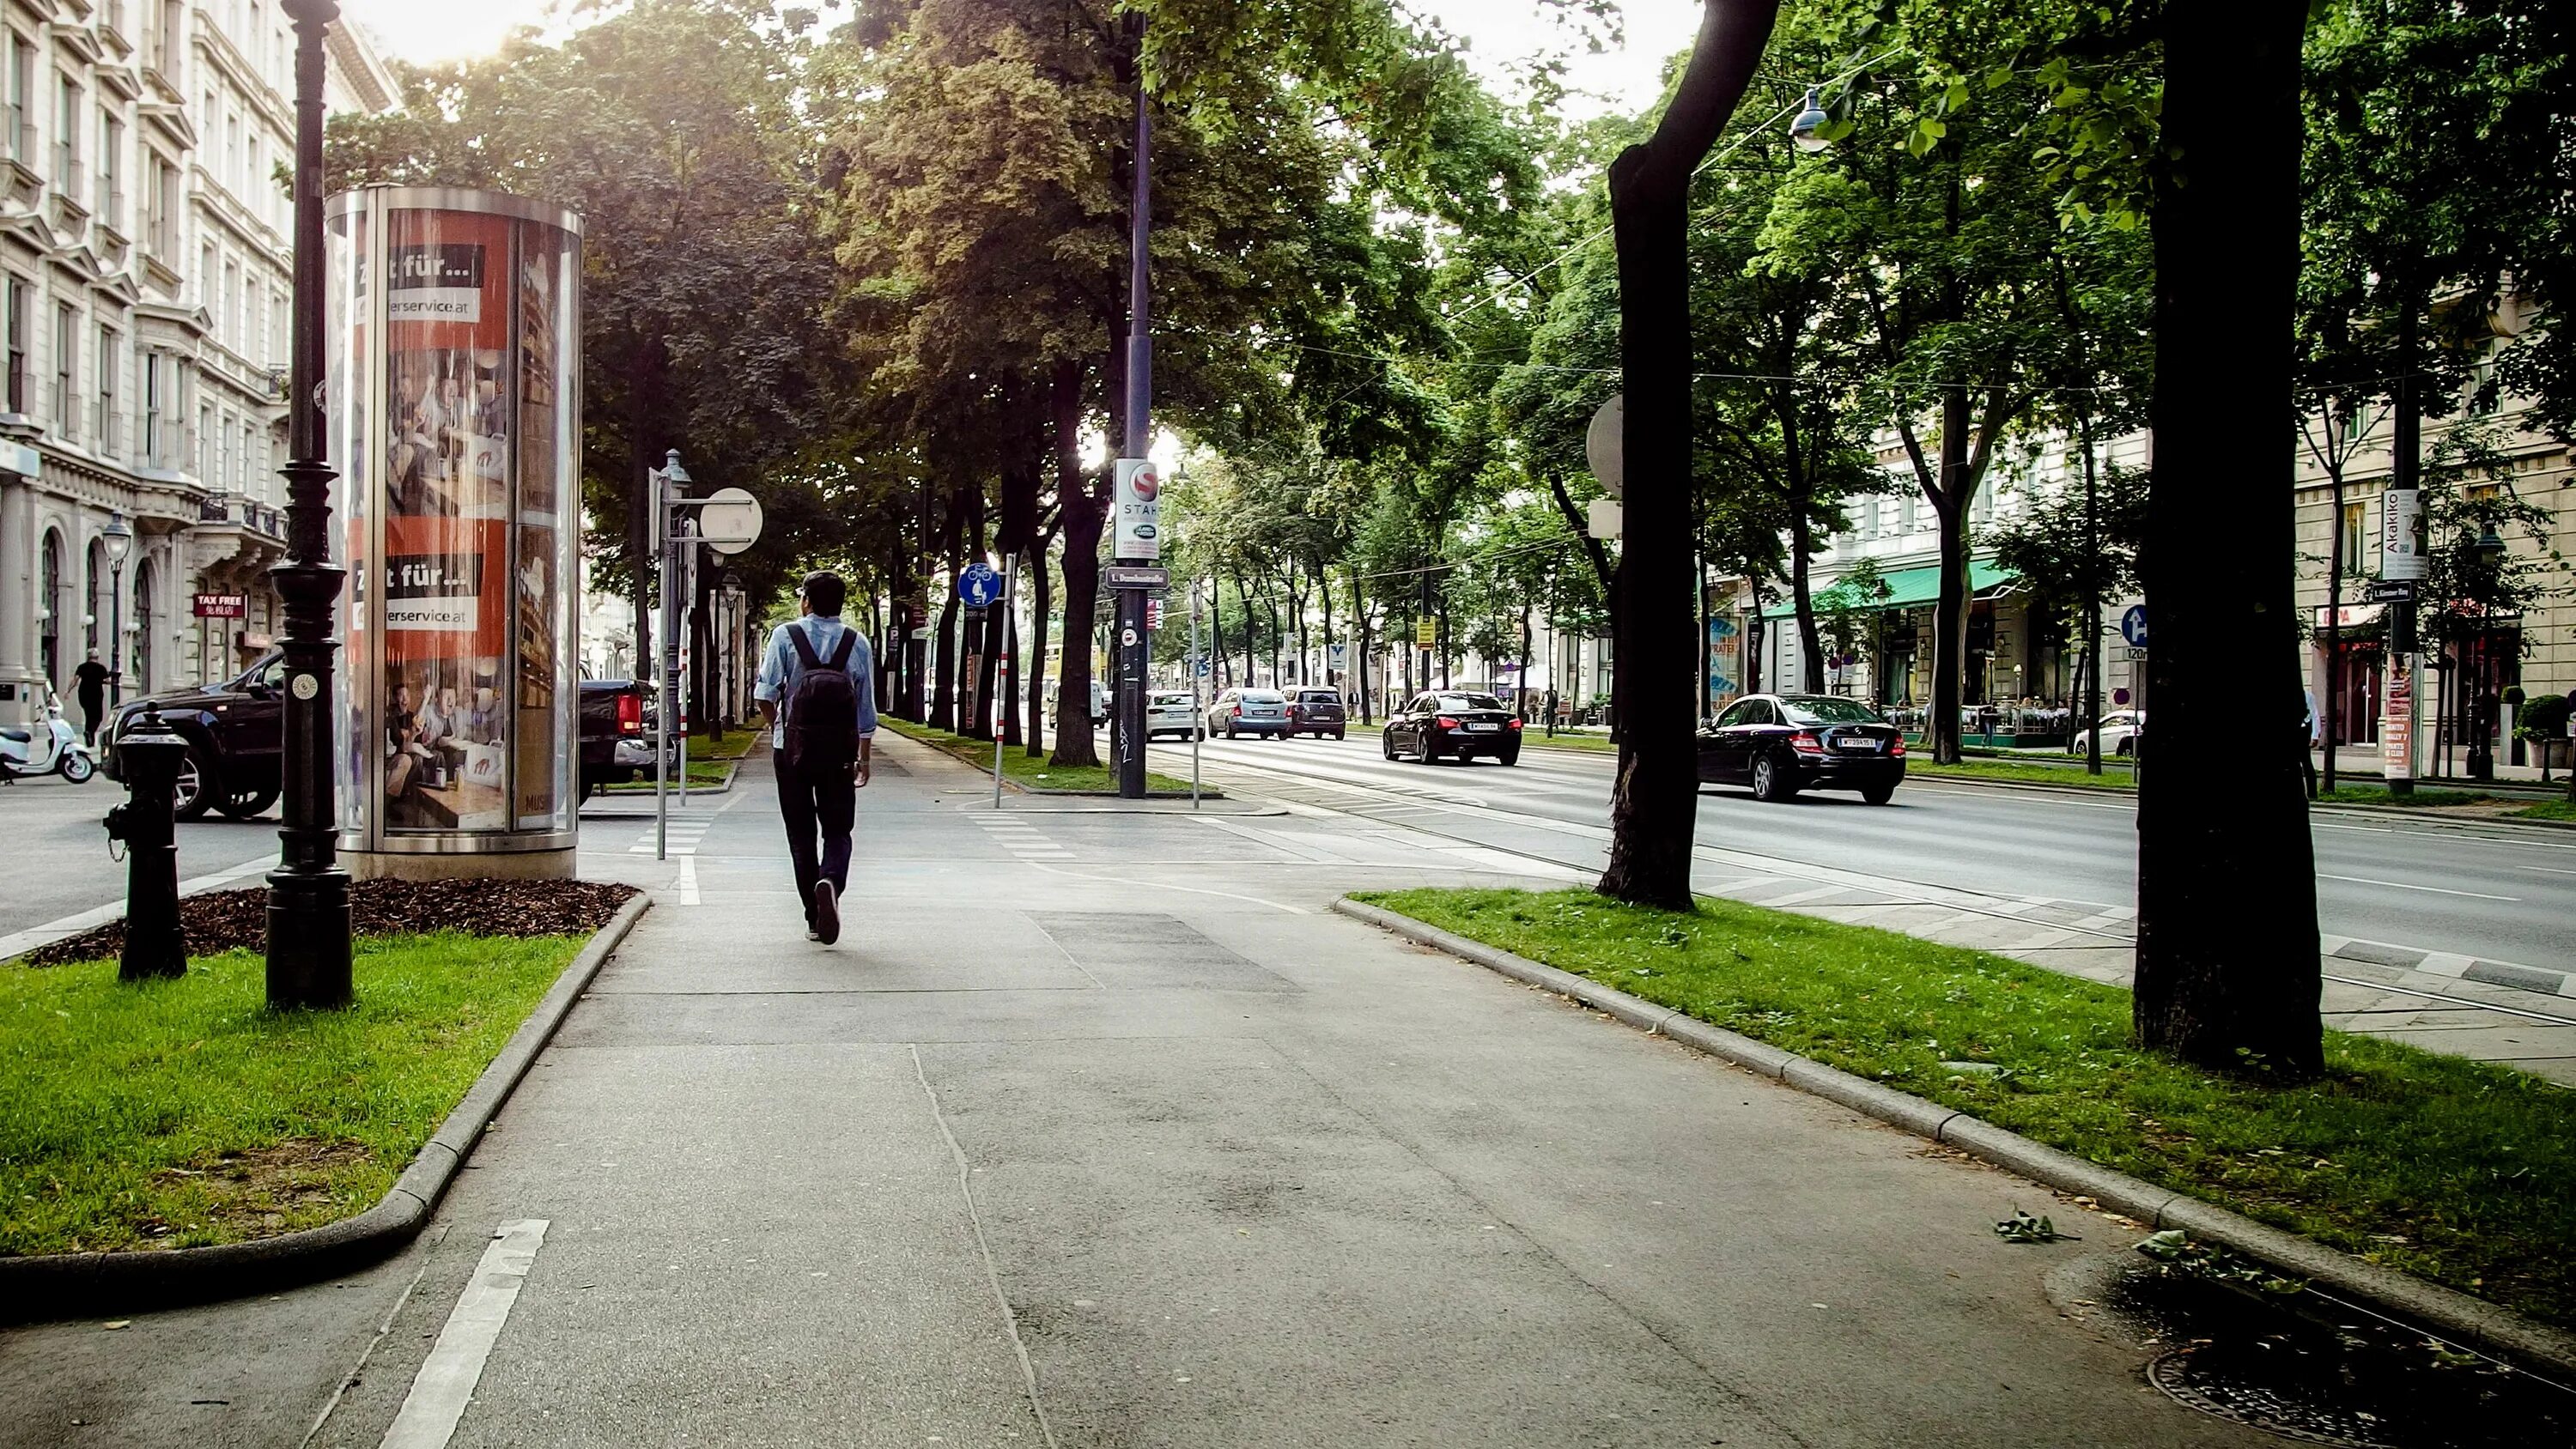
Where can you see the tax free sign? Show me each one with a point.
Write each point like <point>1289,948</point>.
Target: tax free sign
<point>1139,512</point>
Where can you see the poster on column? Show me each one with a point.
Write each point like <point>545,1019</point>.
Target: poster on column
<point>446,569</point>
<point>544,774</point>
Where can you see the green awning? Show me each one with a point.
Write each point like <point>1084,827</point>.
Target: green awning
<point>1915,588</point>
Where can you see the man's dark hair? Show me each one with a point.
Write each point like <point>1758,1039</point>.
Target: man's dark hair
<point>824,591</point>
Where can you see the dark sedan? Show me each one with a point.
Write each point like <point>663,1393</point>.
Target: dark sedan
<point>1316,712</point>
<point>1781,744</point>
<point>1453,725</point>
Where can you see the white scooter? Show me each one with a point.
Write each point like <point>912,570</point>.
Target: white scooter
<point>58,751</point>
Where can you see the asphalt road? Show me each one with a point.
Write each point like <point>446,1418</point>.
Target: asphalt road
<point>56,864</point>
<point>2495,891</point>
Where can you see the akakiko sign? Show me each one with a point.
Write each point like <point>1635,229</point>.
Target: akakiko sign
<point>2401,534</point>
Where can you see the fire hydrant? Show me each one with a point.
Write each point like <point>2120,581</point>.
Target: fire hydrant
<point>148,756</point>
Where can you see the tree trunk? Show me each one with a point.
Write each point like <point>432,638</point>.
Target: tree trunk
<point>1950,594</point>
<point>1655,808</point>
<point>1363,658</point>
<point>1802,598</point>
<point>1081,511</point>
<point>643,388</point>
<point>2227,970</point>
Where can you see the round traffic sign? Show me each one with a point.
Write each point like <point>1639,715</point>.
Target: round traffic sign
<point>729,521</point>
<point>2133,626</point>
<point>978,584</point>
<point>1605,444</point>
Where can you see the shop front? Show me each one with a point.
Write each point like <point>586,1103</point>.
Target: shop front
<point>455,414</point>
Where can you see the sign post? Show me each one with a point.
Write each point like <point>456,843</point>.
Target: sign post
<point>2402,564</point>
<point>1002,669</point>
<point>1138,541</point>
<point>1198,709</point>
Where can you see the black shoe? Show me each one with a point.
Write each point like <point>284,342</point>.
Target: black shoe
<point>827,914</point>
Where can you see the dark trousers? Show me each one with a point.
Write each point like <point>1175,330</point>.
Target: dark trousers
<point>93,707</point>
<point>826,805</point>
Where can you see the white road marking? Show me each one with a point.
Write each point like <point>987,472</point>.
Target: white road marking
<point>445,1384</point>
<point>688,880</point>
<point>2399,885</point>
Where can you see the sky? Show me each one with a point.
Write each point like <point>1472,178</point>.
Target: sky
<point>1499,33</point>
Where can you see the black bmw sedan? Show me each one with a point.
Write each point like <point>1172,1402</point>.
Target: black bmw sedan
<point>1453,724</point>
<point>1781,744</point>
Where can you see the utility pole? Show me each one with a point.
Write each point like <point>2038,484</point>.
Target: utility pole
<point>1136,500</point>
<point>308,893</point>
<point>1426,628</point>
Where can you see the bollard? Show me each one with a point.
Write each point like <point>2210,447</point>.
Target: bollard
<point>148,756</point>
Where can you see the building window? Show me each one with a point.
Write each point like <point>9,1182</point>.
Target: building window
<point>167,210</point>
<point>107,362</point>
<point>156,383</point>
<point>20,298</point>
<point>166,48</point>
<point>206,436</point>
<point>67,130</point>
<point>233,153</point>
<point>2483,393</point>
<point>229,324</point>
<point>111,179</point>
<point>2355,539</point>
<point>223,473</point>
<point>22,100</point>
<point>66,353</point>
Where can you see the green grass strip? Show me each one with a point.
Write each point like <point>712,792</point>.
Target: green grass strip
<point>180,1113</point>
<point>1020,767</point>
<point>2461,1171</point>
<point>1919,766</point>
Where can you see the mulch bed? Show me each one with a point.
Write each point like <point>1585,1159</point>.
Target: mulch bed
<point>225,920</point>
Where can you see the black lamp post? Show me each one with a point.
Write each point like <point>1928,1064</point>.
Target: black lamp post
<point>2481,715</point>
<point>119,536</point>
<point>308,893</point>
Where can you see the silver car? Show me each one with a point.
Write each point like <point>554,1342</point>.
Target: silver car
<point>1171,712</point>
<point>1239,712</point>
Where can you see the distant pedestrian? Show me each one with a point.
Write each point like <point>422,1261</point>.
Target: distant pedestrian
<point>817,690</point>
<point>91,686</point>
<point>2311,730</point>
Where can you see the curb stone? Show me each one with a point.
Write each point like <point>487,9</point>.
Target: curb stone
<point>81,1285</point>
<point>2472,1320</point>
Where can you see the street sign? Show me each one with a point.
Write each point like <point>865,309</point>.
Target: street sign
<point>1120,576</point>
<point>729,521</point>
<point>2119,696</point>
<point>978,585</point>
<point>1426,633</point>
<point>1202,666</point>
<point>2133,626</point>
<point>2390,591</point>
<point>1341,654</point>
<point>1606,517</point>
<point>1139,511</point>
<point>223,606</point>
<point>1605,444</point>
<point>1127,638</point>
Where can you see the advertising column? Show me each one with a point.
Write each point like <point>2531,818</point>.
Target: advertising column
<point>454,385</point>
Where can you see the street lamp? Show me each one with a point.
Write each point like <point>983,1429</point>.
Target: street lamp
<point>308,893</point>
<point>2490,553</point>
<point>1806,129</point>
<point>119,537</point>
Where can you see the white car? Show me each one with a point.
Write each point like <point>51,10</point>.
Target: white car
<point>1171,712</point>
<point>2120,730</point>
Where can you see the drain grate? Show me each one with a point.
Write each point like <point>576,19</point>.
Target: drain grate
<point>2292,1416</point>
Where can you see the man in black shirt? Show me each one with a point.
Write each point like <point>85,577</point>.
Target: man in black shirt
<point>92,689</point>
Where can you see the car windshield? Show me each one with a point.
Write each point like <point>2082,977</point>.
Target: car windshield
<point>1826,709</point>
<point>1169,699</point>
<point>1468,701</point>
<point>1319,696</point>
<point>1261,696</point>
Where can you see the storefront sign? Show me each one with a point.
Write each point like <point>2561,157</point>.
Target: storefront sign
<point>2397,719</point>
<point>222,606</point>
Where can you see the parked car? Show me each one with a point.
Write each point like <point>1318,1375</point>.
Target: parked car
<point>1452,725</point>
<point>1239,712</point>
<point>1172,712</point>
<point>1781,744</point>
<point>236,734</point>
<point>1316,712</point>
<point>2121,729</point>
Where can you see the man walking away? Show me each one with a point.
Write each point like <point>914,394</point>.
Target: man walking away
<point>817,690</point>
<point>91,686</point>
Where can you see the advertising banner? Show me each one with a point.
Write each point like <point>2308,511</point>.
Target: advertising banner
<point>1139,512</point>
<point>2401,534</point>
<point>2397,719</point>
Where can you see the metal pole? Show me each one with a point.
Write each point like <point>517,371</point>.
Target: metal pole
<point>688,600</point>
<point>1131,658</point>
<point>1002,674</point>
<point>116,633</point>
<point>1198,716</point>
<point>308,894</point>
<point>662,706</point>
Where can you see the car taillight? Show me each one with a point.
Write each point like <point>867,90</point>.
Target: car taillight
<point>1806,744</point>
<point>1238,711</point>
<point>1516,724</point>
<point>1897,750</point>
<point>630,714</point>
<point>1446,723</point>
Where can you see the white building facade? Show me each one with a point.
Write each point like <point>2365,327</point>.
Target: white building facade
<point>145,285</point>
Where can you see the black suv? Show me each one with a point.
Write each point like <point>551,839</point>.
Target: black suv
<point>236,734</point>
<point>1316,712</point>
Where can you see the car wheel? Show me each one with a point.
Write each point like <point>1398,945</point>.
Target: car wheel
<point>77,768</point>
<point>1386,744</point>
<point>1510,756</point>
<point>1425,752</point>
<point>1770,782</point>
<point>1230,733</point>
<point>2125,747</point>
<point>1878,794</point>
<point>1337,735</point>
<point>194,792</point>
<point>243,804</point>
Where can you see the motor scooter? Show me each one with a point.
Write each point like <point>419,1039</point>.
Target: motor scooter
<point>54,748</point>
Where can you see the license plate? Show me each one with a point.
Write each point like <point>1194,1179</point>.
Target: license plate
<point>1863,747</point>
<point>1485,728</point>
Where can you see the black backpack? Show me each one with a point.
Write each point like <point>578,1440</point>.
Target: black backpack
<point>822,714</point>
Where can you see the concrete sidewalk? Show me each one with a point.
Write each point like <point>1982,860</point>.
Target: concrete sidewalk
<point>1102,1130</point>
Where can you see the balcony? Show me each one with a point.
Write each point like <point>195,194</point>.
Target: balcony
<point>233,508</point>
